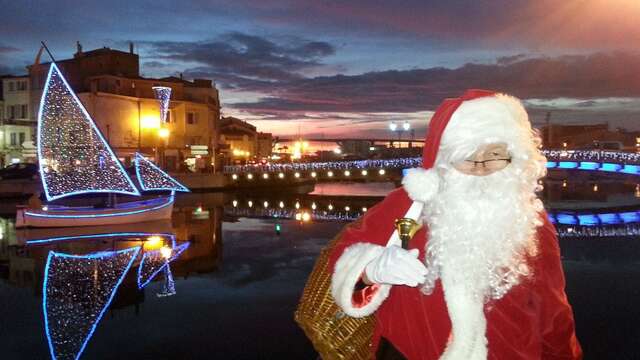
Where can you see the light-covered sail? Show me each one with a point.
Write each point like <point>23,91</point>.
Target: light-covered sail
<point>152,177</point>
<point>163,94</point>
<point>77,290</point>
<point>74,157</point>
<point>155,261</point>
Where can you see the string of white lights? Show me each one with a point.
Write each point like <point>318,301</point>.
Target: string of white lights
<point>622,158</point>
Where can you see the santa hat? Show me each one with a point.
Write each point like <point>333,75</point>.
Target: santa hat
<point>459,126</point>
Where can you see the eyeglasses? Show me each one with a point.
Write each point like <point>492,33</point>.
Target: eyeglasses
<point>491,164</point>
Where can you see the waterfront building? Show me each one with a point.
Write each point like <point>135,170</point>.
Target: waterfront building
<point>17,127</point>
<point>124,107</point>
<point>241,141</point>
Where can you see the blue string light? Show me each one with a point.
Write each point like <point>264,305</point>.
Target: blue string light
<point>152,177</point>
<point>166,202</point>
<point>91,236</point>
<point>73,155</point>
<point>71,310</point>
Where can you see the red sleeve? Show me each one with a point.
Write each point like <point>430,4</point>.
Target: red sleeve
<point>557,324</point>
<point>375,227</point>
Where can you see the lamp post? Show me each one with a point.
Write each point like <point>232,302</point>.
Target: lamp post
<point>163,133</point>
<point>406,126</point>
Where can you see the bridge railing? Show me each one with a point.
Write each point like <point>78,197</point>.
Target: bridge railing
<point>617,157</point>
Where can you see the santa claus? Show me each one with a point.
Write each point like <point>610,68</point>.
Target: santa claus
<point>482,278</point>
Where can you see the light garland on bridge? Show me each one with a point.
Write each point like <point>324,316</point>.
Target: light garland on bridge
<point>608,161</point>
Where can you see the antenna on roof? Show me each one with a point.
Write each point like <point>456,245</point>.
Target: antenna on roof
<point>48,52</point>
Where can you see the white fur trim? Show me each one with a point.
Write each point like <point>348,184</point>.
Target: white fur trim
<point>421,184</point>
<point>347,273</point>
<point>468,322</point>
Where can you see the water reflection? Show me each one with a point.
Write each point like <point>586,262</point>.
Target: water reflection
<point>77,290</point>
<point>267,260</point>
<point>82,272</point>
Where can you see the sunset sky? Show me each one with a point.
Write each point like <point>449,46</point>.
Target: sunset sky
<point>347,68</point>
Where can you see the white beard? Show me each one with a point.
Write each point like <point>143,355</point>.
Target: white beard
<point>481,232</point>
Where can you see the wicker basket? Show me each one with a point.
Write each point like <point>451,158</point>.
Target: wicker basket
<point>334,334</point>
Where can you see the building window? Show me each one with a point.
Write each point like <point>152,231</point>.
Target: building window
<point>24,111</point>
<point>22,138</point>
<point>21,86</point>
<point>11,112</point>
<point>192,118</point>
<point>169,116</point>
<point>14,139</point>
<point>12,86</point>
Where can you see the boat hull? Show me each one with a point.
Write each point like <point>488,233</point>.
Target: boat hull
<point>126,213</point>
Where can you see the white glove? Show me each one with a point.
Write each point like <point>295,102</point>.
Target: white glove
<point>397,266</point>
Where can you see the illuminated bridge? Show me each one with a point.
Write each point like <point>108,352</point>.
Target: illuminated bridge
<point>607,161</point>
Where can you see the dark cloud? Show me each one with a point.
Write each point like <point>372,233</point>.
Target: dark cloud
<point>7,49</point>
<point>236,58</point>
<point>586,76</point>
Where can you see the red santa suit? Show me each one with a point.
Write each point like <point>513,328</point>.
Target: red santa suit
<point>533,320</point>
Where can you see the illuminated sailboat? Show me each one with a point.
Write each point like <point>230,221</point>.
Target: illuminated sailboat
<point>76,159</point>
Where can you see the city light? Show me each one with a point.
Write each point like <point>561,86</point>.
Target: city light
<point>330,207</point>
<point>364,172</point>
<point>347,173</point>
<point>381,172</point>
<point>266,204</point>
<point>313,174</point>
<point>250,203</point>
<point>406,126</point>
<point>313,206</point>
<point>347,208</point>
<point>163,133</point>
<point>297,205</point>
<point>306,216</point>
<point>265,176</point>
<point>249,176</point>
<point>297,175</point>
<point>281,205</point>
<point>281,175</point>
<point>337,151</point>
<point>150,122</point>
<point>166,251</point>
<point>235,203</point>
<point>330,174</point>
<point>234,177</point>
<point>393,126</point>
<point>364,209</point>
<point>153,242</point>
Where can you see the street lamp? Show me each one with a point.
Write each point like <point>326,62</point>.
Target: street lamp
<point>406,126</point>
<point>393,126</point>
<point>163,133</point>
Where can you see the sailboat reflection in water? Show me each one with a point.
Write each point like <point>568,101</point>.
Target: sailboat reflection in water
<point>78,289</point>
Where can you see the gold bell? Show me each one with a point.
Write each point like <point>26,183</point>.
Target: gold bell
<point>406,227</point>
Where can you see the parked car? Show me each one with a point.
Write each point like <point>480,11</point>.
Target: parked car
<point>19,171</point>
